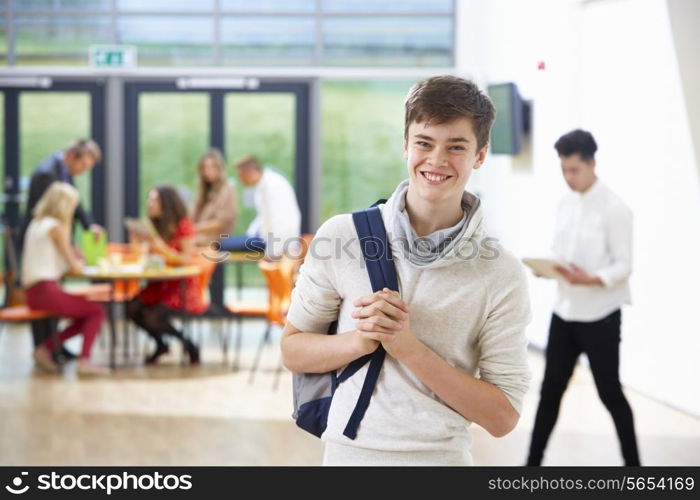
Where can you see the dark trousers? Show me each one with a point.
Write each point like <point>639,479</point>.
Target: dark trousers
<point>242,243</point>
<point>600,341</point>
<point>43,329</point>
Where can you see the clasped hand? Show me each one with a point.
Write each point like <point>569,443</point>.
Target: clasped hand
<point>383,318</point>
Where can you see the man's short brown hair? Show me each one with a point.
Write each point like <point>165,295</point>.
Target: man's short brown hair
<point>83,147</point>
<point>442,99</point>
<point>249,161</point>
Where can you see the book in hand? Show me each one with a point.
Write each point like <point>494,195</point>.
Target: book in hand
<point>140,227</point>
<point>546,268</point>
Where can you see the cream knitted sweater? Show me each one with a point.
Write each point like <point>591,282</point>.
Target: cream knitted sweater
<point>471,307</point>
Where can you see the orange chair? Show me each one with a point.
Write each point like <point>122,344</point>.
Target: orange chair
<point>21,314</point>
<point>17,310</point>
<point>278,275</point>
<point>207,267</point>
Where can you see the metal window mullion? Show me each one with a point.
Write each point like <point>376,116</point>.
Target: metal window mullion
<point>12,159</point>
<point>97,132</point>
<point>302,154</point>
<point>217,33</point>
<point>217,140</point>
<point>131,150</point>
<point>11,41</point>
<point>318,39</point>
<point>216,119</point>
<point>113,21</point>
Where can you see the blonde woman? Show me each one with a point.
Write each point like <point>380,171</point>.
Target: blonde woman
<point>215,209</point>
<point>47,256</point>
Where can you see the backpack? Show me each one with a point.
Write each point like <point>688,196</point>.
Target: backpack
<point>313,392</point>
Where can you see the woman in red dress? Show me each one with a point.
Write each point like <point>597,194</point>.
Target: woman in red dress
<point>154,306</point>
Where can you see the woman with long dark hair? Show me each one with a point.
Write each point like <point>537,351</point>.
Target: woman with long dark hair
<point>154,306</point>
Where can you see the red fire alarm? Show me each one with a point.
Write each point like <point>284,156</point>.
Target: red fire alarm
<point>540,65</point>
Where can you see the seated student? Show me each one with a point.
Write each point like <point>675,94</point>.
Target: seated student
<point>277,226</point>
<point>215,209</point>
<point>153,307</point>
<point>78,158</point>
<point>47,255</point>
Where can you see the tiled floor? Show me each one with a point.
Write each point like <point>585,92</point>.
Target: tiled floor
<point>211,415</point>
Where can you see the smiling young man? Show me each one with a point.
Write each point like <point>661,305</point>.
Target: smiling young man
<point>454,331</point>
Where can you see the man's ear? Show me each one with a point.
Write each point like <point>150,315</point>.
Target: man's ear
<point>481,156</point>
<point>405,149</point>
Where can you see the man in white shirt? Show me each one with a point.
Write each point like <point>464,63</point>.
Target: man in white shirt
<point>594,239</point>
<point>277,227</point>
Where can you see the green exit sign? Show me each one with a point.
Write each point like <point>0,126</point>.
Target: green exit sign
<point>112,56</point>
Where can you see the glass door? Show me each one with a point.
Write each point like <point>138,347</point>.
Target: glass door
<point>173,134</point>
<point>38,122</point>
<point>168,128</point>
<point>48,123</point>
<point>260,125</point>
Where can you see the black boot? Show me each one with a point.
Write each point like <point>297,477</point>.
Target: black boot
<point>192,351</point>
<point>161,349</point>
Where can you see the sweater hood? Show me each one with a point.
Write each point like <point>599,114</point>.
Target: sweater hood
<point>466,247</point>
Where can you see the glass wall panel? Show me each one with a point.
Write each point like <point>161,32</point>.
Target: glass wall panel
<point>362,136</point>
<point>166,5</point>
<point>169,40</point>
<point>389,33</point>
<point>386,41</point>
<point>59,5</point>
<point>49,122</point>
<point>271,6</point>
<point>403,6</point>
<point>173,134</point>
<point>267,41</point>
<point>64,40</point>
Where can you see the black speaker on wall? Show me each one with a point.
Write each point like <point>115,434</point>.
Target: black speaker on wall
<point>512,119</point>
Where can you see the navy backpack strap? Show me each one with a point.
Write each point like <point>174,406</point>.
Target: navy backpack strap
<point>377,254</point>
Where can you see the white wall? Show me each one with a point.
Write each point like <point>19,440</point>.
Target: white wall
<point>685,17</point>
<point>611,68</point>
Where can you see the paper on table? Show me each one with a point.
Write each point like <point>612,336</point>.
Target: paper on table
<point>109,268</point>
<point>545,267</point>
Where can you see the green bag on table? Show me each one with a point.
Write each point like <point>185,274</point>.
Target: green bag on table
<point>94,247</point>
